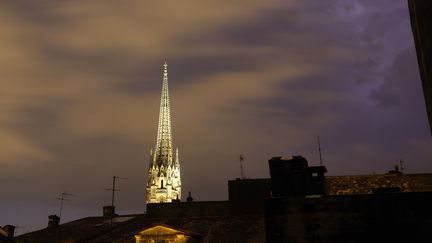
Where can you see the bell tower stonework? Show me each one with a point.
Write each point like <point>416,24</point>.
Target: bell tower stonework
<point>164,183</point>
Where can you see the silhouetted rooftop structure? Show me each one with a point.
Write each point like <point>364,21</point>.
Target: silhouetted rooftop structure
<point>421,24</point>
<point>297,204</point>
<point>292,176</point>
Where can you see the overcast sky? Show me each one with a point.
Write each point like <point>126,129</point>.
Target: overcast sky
<point>81,82</point>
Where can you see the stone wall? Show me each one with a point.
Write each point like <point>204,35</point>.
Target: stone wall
<point>247,196</point>
<point>364,184</point>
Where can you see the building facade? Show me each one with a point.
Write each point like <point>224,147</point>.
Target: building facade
<point>356,209</point>
<point>164,182</point>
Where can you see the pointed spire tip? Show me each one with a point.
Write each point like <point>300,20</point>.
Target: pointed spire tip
<point>165,66</point>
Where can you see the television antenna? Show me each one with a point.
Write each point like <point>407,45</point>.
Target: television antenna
<point>113,190</point>
<point>62,198</point>
<point>401,164</point>
<point>319,150</point>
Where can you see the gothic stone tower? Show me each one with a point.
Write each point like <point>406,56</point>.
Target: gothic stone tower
<point>164,184</point>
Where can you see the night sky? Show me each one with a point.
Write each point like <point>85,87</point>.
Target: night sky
<point>81,82</point>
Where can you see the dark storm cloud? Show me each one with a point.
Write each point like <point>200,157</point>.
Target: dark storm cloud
<point>303,97</point>
<point>262,30</point>
<point>186,70</point>
<point>401,84</point>
<point>41,12</point>
<point>193,68</point>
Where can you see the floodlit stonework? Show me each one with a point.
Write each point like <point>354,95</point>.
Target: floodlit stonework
<point>161,233</point>
<point>164,183</point>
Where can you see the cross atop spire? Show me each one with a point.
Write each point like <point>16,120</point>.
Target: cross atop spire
<point>165,67</point>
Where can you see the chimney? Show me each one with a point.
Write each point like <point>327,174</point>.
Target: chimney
<point>9,230</point>
<point>189,198</point>
<point>53,221</point>
<point>108,211</point>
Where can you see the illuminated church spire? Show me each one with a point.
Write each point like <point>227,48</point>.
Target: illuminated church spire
<point>163,149</point>
<point>164,184</point>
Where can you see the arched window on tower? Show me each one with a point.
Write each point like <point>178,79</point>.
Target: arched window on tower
<point>162,184</point>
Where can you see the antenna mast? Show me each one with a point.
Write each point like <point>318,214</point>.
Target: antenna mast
<point>242,174</point>
<point>63,198</point>
<point>319,150</point>
<point>401,162</point>
<point>113,189</point>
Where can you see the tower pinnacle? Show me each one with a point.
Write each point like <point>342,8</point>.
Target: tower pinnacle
<point>164,184</point>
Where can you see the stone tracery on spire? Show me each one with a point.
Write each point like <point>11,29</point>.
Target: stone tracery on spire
<point>162,169</point>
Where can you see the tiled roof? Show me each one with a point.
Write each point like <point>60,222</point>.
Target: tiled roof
<point>363,184</point>
<point>97,229</point>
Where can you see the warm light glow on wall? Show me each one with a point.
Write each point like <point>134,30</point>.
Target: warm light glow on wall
<point>161,233</point>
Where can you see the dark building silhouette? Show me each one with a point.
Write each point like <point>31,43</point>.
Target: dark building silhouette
<point>108,211</point>
<point>297,204</point>
<point>421,24</point>
<point>247,196</point>
<point>346,208</point>
<point>293,177</point>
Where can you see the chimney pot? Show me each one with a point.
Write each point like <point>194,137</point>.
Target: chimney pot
<point>109,211</point>
<point>53,221</point>
<point>10,230</point>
